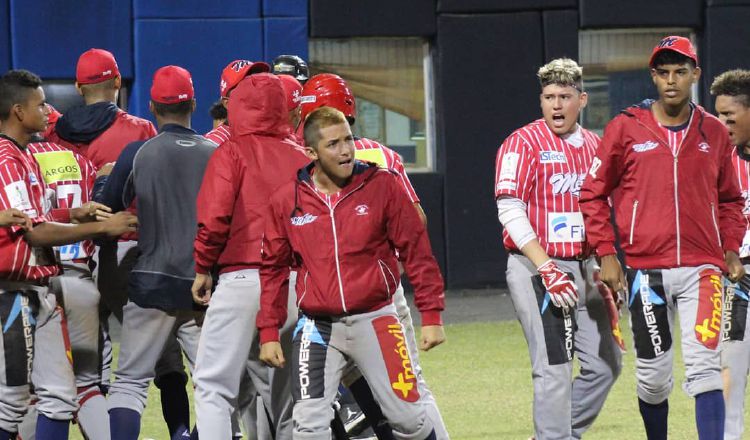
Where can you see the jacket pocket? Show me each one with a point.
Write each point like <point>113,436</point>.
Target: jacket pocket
<point>632,221</point>
<point>716,224</point>
<point>388,278</point>
<point>304,288</point>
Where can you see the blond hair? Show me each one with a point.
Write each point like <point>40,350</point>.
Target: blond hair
<point>561,71</point>
<point>321,118</point>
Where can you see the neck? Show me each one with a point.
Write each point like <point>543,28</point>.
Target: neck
<point>106,96</point>
<point>15,132</point>
<point>325,183</point>
<point>671,115</point>
<point>183,121</point>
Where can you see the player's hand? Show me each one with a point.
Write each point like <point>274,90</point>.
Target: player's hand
<point>612,303</point>
<point>90,212</point>
<point>15,217</point>
<point>735,269</point>
<point>612,274</point>
<point>120,223</point>
<point>105,170</point>
<point>432,336</point>
<point>272,355</point>
<point>562,291</point>
<point>202,288</point>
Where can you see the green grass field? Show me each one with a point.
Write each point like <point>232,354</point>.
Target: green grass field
<point>482,381</point>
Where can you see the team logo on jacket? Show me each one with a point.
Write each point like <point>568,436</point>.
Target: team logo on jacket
<point>302,220</point>
<point>362,209</point>
<point>396,356</point>
<point>708,317</point>
<point>563,183</point>
<point>704,147</point>
<point>565,227</point>
<point>646,146</point>
<point>552,157</point>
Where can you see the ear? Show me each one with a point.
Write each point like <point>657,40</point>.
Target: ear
<point>652,71</point>
<point>584,99</point>
<point>78,89</point>
<point>311,153</point>
<point>17,110</point>
<point>192,106</point>
<point>118,82</point>
<point>697,74</point>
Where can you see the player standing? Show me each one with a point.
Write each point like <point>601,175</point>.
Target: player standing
<point>679,216</point>
<point>538,173</point>
<point>732,91</point>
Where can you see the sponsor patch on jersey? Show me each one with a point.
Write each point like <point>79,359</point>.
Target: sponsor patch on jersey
<point>709,314</point>
<point>374,155</point>
<point>565,227</point>
<point>58,166</point>
<point>18,197</point>
<point>508,166</point>
<point>552,157</point>
<point>646,146</point>
<point>396,357</point>
<point>302,220</point>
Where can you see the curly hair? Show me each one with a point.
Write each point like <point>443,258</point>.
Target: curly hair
<point>735,83</point>
<point>561,71</point>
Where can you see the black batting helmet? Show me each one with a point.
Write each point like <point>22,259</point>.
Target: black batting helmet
<point>291,65</point>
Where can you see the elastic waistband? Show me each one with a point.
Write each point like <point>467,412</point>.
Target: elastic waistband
<point>581,257</point>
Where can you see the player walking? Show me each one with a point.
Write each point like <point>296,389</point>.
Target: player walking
<point>679,216</point>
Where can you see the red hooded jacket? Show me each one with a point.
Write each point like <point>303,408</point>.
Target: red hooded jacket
<point>346,252</point>
<point>242,175</point>
<point>671,210</point>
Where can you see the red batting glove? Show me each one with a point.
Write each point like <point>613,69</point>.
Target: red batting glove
<point>561,289</point>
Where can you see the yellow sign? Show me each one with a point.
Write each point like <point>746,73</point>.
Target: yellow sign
<point>58,166</point>
<point>374,155</point>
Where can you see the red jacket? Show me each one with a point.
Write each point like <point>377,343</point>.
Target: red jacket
<point>671,210</point>
<point>348,263</point>
<point>242,174</point>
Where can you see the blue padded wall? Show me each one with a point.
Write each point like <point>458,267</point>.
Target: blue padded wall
<point>285,36</point>
<point>47,38</point>
<point>213,44</point>
<point>196,9</point>
<point>285,8</point>
<point>4,36</point>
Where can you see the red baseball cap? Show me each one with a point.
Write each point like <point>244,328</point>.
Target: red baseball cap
<point>236,70</point>
<point>95,66</point>
<point>171,85</point>
<point>677,44</point>
<point>292,90</point>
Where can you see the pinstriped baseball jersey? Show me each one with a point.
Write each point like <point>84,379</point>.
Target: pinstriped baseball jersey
<point>674,137</point>
<point>219,135</point>
<point>742,169</point>
<point>72,177</point>
<point>546,172</point>
<point>21,187</point>
<point>372,151</point>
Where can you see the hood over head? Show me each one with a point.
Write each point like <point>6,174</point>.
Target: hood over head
<point>258,106</point>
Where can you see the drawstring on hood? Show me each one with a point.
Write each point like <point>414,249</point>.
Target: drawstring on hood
<point>85,123</point>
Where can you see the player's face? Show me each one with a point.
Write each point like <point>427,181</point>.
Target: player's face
<point>673,82</point>
<point>335,152</point>
<point>736,117</point>
<point>561,106</point>
<point>34,112</point>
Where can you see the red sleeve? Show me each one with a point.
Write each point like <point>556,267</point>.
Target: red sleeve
<point>408,235</point>
<point>603,177</point>
<point>60,215</point>
<point>398,166</point>
<point>515,168</point>
<point>731,203</point>
<point>150,131</point>
<point>274,275</point>
<point>215,207</point>
<point>15,193</point>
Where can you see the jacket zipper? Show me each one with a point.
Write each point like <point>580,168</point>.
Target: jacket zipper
<point>632,221</point>
<point>677,212</point>
<point>716,224</point>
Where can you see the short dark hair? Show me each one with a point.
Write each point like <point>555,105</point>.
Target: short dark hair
<point>15,87</point>
<point>321,118</point>
<point>179,109</point>
<point>671,57</point>
<point>101,86</point>
<point>218,111</point>
<point>734,83</point>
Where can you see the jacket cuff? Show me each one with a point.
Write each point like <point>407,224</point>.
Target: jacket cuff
<point>733,246</point>
<point>606,249</point>
<point>201,270</point>
<point>60,215</point>
<point>431,317</point>
<point>269,334</point>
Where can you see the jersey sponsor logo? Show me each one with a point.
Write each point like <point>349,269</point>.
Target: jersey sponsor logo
<point>646,146</point>
<point>374,155</point>
<point>508,166</point>
<point>303,219</point>
<point>708,316</point>
<point>396,356</point>
<point>57,166</point>
<point>565,227</point>
<point>648,308</point>
<point>704,147</point>
<point>18,197</point>
<point>362,209</point>
<point>563,183</point>
<point>552,157</point>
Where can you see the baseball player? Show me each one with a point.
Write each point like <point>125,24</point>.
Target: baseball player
<point>239,180</point>
<point>291,65</point>
<point>331,222</point>
<point>551,274</point>
<point>218,114</point>
<point>679,216</point>
<point>332,91</point>
<point>732,91</point>
<point>26,305</point>
<point>160,305</point>
<point>232,74</point>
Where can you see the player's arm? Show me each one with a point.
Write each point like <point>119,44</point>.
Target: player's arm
<point>49,234</point>
<point>603,177</point>
<point>274,275</point>
<point>731,219</point>
<point>109,190</point>
<point>405,182</point>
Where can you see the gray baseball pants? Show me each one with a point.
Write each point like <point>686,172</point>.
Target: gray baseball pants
<point>564,409</point>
